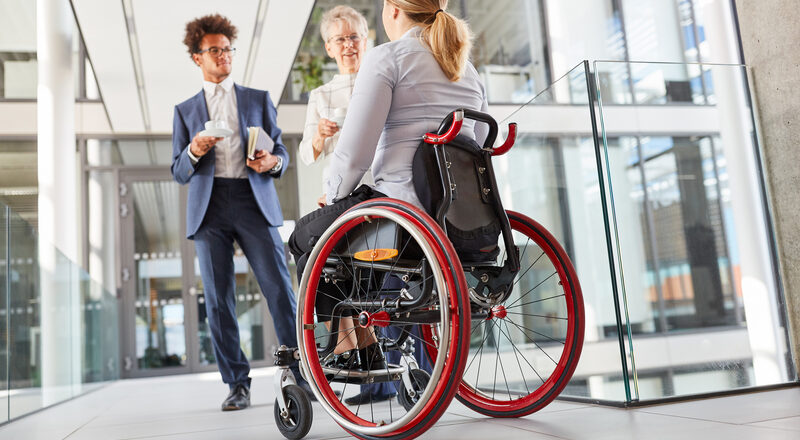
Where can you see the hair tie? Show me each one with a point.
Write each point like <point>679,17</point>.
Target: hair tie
<point>437,13</point>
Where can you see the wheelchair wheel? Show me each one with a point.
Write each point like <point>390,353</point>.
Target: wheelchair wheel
<point>419,380</point>
<point>524,354</point>
<point>389,267</point>
<point>296,423</point>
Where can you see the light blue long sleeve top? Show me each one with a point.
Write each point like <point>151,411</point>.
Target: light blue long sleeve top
<point>400,94</point>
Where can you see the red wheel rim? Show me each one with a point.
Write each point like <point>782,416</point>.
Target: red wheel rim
<point>312,360</point>
<point>566,364</point>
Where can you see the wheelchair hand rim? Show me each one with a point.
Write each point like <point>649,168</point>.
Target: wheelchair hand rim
<point>343,224</point>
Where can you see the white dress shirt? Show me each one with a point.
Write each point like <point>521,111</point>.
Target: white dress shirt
<point>229,155</point>
<point>400,94</point>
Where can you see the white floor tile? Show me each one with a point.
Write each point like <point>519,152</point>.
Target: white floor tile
<point>188,407</point>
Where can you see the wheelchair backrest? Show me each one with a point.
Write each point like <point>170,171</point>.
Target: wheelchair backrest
<point>471,220</point>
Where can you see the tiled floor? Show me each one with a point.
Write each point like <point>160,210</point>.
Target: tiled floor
<point>187,407</point>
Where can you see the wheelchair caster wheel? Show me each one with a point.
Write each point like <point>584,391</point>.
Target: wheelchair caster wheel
<point>296,421</point>
<point>420,379</point>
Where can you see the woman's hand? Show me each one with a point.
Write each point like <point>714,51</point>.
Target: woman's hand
<point>262,161</point>
<point>325,129</point>
<point>321,201</point>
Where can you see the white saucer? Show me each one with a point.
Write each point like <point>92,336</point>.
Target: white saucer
<point>337,121</point>
<point>216,132</point>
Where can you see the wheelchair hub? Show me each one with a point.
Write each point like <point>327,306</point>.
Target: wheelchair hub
<point>498,312</point>
<point>378,319</point>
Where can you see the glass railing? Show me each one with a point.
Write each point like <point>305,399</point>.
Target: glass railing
<point>59,328</point>
<point>693,235</point>
<point>657,197</point>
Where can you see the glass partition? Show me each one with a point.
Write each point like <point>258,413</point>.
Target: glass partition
<point>693,239</point>
<point>59,328</point>
<point>4,313</point>
<point>551,175</point>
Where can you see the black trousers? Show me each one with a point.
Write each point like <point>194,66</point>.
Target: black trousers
<point>310,227</point>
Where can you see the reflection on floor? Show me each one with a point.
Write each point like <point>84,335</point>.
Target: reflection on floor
<point>187,407</point>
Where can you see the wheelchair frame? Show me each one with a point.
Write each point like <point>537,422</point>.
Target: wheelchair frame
<point>443,309</point>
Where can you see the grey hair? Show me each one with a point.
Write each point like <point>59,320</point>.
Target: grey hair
<point>343,13</point>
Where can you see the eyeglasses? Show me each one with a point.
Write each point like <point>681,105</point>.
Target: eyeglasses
<point>340,40</point>
<point>217,51</point>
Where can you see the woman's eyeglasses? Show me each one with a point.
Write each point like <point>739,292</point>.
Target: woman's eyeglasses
<point>342,39</point>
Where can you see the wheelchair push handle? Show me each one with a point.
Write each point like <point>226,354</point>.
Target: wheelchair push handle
<point>455,120</point>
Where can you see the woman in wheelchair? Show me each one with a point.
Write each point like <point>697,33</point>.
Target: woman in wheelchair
<point>416,264</point>
<point>402,90</point>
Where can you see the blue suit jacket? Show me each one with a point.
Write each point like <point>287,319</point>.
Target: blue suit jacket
<point>255,109</point>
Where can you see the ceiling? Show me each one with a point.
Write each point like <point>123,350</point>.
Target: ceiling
<point>142,66</point>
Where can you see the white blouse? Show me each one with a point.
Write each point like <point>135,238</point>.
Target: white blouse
<point>322,102</point>
<point>400,94</point>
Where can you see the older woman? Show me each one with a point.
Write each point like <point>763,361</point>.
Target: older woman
<point>344,31</point>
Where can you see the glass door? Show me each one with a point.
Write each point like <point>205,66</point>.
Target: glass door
<point>152,275</point>
<point>165,326</point>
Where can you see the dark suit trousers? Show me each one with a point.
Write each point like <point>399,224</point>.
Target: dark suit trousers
<point>234,215</point>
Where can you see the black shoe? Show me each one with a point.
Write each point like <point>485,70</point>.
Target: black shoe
<point>372,358</point>
<point>365,397</point>
<point>343,361</point>
<point>239,398</point>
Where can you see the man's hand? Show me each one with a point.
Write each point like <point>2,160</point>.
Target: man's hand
<point>321,201</point>
<point>262,162</point>
<point>201,144</point>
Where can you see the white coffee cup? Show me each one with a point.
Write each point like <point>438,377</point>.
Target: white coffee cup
<point>210,125</point>
<point>338,115</point>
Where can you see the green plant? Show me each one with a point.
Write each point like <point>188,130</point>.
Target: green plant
<point>310,69</point>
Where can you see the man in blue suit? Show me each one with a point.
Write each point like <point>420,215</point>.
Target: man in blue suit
<point>231,198</point>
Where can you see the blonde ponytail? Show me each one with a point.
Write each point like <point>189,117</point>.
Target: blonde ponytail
<point>448,37</point>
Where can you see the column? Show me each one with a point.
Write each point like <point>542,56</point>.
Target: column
<point>57,201</point>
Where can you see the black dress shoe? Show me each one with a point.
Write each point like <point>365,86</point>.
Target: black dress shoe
<point>372,357</point>
<point>365,397</point>
<point>239,398</point>
<point>342,361</point>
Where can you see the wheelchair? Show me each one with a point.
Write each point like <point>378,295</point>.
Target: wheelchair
<point>467,300</point>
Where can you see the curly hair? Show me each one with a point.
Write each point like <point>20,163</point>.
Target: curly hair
<point>209,24</point>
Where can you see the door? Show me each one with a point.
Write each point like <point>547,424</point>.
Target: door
<point>164,326</point>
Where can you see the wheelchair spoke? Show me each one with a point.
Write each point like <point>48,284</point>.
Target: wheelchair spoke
<point>534,302</point>
<point>532,289</point>
<point>519,364</point>
<point>560,341</point>
<point>529,268</point>
<point>517,350</point>
<point>480,348</point>
<point>536,344</point>
<point>537,316</point>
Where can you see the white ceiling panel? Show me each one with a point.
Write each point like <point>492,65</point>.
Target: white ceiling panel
<point>283,30</point>
<point>105,33</point>
<point>170,76</point>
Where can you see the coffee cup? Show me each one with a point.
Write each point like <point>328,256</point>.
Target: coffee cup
<point>211,125</point>
<point>338,115</point>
